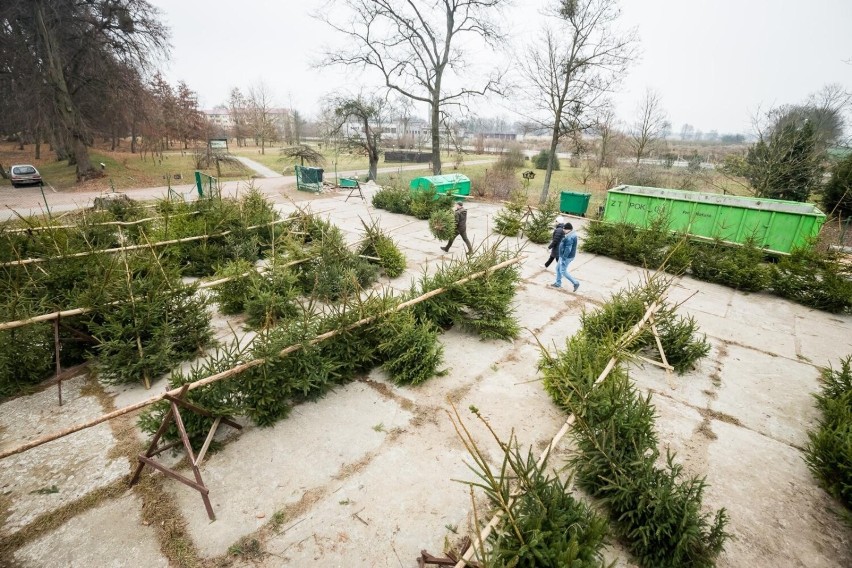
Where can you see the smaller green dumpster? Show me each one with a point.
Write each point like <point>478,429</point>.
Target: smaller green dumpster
<point>348,182</point>
<point>457,184</point>
<point>574,203</point>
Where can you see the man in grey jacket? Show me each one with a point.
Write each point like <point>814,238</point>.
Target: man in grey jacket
<point>461,228</point>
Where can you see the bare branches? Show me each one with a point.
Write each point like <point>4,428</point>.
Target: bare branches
<point>413,45</point>
<point>651,124</point>
<point>574,65</point>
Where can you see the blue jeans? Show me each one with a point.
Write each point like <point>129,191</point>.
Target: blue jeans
<point>562,270</point>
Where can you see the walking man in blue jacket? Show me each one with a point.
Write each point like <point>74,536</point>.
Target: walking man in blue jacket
<point>567,253</point>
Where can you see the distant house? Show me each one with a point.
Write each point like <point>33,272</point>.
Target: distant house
<point>222,118</point>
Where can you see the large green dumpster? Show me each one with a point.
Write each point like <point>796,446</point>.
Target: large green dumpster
<point>574,203</point>
<point>775,225</point>
<point>458,184</point>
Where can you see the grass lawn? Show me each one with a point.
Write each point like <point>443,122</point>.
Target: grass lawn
<point>123,169</point>
<point>569,179</point>
<point>341,162</point>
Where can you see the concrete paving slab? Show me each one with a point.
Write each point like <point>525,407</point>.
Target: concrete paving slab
<point>62,471</point>
<point>747,333</point>
<point>778,390</point>
<point>268,468</point>
<point>110,536</point>
<point>779,516</point>
<point>823,340</point>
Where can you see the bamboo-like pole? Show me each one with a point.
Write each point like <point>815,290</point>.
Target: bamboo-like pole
<point>103,224</point>
<point>79,311</point>
<point>134,247</point>
<point>247,365</point>
<point>625,339</point>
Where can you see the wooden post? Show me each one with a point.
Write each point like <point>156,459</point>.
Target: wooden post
<point>58,362</point>
<point>176,402</point>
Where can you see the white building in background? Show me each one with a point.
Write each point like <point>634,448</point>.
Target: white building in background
<point>221,117</point>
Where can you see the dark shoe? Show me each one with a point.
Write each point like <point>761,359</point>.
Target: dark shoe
<point>576,286</point>
<point>555,286</point>
<point>445,249</point>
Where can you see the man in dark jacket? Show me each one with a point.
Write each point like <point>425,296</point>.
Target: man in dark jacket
<point>461,228</point>
<point>558,233</point>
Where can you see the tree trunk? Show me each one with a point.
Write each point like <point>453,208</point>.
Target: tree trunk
<point>67,111</point>
<point>436,137</point>
<point>38,148</point>
<point>3,173</point>
<point>263,146</point>
<point>551,160</point>
<point>133,137</point>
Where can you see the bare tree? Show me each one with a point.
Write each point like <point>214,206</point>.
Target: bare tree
<point>651,125</point>
<point>259,117</point>
<point>237,110</point>
<point>370,114</point>
<point>604,127</point>
<point>73,49</point>
<point>414,45</point>
<point>573,67</point>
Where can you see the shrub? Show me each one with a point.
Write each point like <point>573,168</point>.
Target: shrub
<point>539,225</point>
<point>542,523</point>
<point>508,221</point>
<point>231,296</point>
<point>511,159</point>
<point>393,199</point>
<point>378,245</point>
<point>442,224</point>
<point>423,203</point>
<point>496,183</point>
<point>656,510</point>
<point>740,267</point>
<point>646,247</point>
<point>814,279</point>
<point>333,272</point>
<point>26,357</point>
<point>144,336</point>
<point>540,161</point>
<point>639,175</point>
<point>837,193</point>
<point>829,450</point>
<point>409,349</point>
<point>484,305</point>
<point>271,297</point>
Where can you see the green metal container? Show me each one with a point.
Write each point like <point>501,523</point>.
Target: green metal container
<point>458,184</point>
<point>574,203</point>
<point>348,182</point>
<point>775,225</point>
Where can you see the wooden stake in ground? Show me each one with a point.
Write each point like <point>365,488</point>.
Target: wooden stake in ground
<point>625,339</point>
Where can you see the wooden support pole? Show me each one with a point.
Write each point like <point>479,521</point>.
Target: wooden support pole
<point>247,365</point>
<point>58,361</point>
<point>625,339</point>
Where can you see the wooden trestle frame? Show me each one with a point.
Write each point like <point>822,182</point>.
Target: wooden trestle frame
<point>154,449</point>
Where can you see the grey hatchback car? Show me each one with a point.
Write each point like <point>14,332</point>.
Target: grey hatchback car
<point>24,174</point>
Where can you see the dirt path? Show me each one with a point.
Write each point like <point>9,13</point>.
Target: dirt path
<point>259,168</point>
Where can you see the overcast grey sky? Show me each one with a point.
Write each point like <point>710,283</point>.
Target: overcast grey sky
<point>715,62</point>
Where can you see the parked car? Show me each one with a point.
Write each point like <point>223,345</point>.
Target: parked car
<point>23,174</point>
